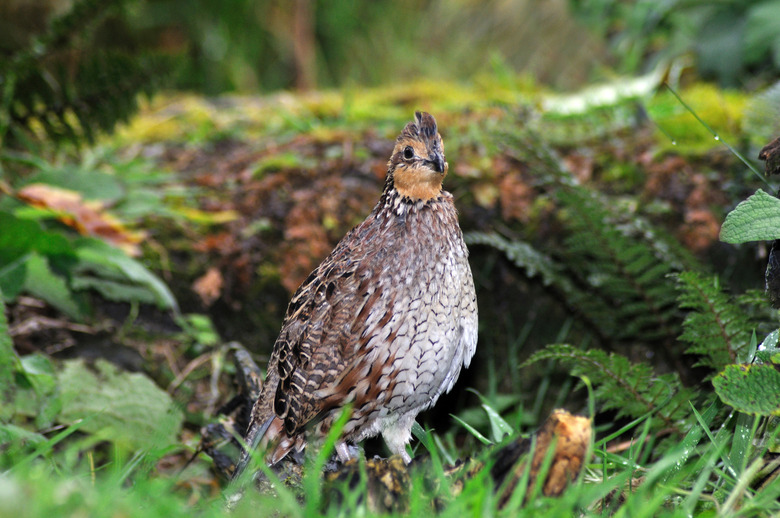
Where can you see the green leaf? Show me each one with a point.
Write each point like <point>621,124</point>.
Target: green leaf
<point>16,440</point>
<point>499,428</point>
<point>473,431</point>
<point>126,408</point>
<point>520,253</point>
<point>7,359</point>
<point>770,342</point>
<point>114,290</point>
<point>752,389</point>
<point>755,219</point>
<point>12,278</point>
<point>42,282</point>
<point>37,393</point>
<point>10,434</point>
<point>717,328</point>
<point>20,237</point>
<point>92,251</point>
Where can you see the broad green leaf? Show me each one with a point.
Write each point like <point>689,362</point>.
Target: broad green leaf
<point>752,389</point>
<point>770,342</point>
<point>499,428</point>
<point>125,408</point>
<point>19,237</point>
<point>96,252</point>
<point>755,219</point>
<point>10,434</point>
<point>12,278</point>
<point>91,184</point>
<point>7,359</point>
<point>16,440</point>
<point>113,290</point>
<point>42,282</point>
<point>37,393</point>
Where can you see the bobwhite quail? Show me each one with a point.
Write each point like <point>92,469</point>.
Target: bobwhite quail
<point>383,324</point>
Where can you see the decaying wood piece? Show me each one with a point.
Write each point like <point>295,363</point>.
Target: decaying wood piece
<point>570,435</point>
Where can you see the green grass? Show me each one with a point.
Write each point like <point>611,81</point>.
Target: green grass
<point>708,473</point>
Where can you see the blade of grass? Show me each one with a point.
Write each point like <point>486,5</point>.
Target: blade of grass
<point>448,457</point>
<point>713,440</point>
<point>521,489</point>
<point>50,444</point>
<point>742,488</point>
<point>473,431</point>
<point>716,136</point>
<point>616,460</point>
<point>704,467</point>
<point>694,435</point>
<point>744,434</point>
<point>622,430</point>
<point>544,469</point>
<point>312,480</point>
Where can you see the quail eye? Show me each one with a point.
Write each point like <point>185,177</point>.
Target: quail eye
<point>408,152</point>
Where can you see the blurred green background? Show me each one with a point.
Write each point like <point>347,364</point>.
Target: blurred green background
<point>263,45</point>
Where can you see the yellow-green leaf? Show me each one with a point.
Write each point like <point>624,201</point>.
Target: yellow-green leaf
<point>755,219</point>
<point>752,389</point>
<point>125,408</point>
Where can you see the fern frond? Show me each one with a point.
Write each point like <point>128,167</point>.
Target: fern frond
<point>522,255</point>
<point>619,264</point>
<point>553,275</point>
<point>613,263</point>
<point>103,92</point>
<point>49,90</point>
<point>632,389</point>
<point>717,329</point>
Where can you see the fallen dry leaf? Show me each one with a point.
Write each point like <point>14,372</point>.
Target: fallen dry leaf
<point>89,218</point>
<point>209,286</point>
<point>516,197</point>
<point>700,230</point>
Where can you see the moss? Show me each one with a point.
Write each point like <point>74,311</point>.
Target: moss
<point>678,129</point>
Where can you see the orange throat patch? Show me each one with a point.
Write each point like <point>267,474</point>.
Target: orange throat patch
<point>418,184</point>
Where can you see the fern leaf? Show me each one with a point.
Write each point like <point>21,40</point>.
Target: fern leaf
<point>611,255</point>
<point>69,96</point>
<point>522,254</point>
<point>632,389</point>
<point>717,329</point>
<point>553,275</point>
<point>624,267</point>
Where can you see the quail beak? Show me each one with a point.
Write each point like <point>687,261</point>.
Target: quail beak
<point>436,161</point>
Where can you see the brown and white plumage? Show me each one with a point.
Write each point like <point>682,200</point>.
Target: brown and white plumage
<point>385,323</point>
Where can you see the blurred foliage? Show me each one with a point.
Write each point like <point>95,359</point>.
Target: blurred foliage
<point>733,41</point>
<point>250,45</point>
<point>271,44</point>
<point>65,84</point>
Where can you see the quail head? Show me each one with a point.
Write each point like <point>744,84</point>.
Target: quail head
<point>384,324</point>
